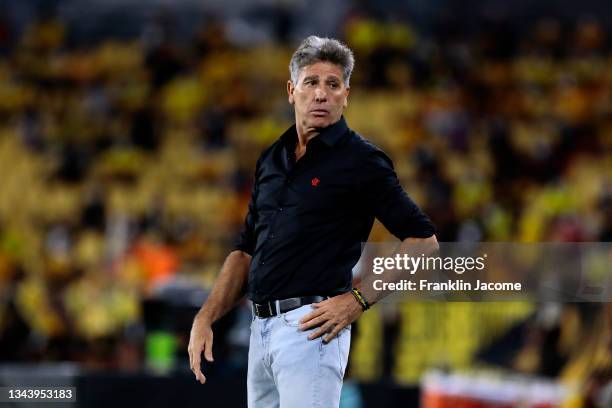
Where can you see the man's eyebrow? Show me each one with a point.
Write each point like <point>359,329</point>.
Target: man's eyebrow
<point>310,77</point>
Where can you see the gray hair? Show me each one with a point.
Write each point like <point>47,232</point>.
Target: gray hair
<point>316,49</point>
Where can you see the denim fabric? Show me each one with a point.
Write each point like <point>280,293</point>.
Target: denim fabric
<point>287,370</point>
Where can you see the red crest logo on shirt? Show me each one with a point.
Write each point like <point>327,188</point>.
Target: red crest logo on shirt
<point>315,182</point>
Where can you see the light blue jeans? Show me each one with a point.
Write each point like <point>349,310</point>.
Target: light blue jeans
<point>287,370</point>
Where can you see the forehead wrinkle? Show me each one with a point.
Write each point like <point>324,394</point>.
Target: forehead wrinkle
<point>327,68</point>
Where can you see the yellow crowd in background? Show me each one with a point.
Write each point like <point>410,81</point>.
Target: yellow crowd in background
<point>124,167</point>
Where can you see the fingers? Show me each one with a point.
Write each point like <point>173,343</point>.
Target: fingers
<point>195,349</point>
<point>191,352</point>
<point>328,326</point>
<point>315,313</point>
<point>333,333</point>
<point>309,324</point>
<point>195,364</point>
<point>190,357</point>
<point>208,344</point>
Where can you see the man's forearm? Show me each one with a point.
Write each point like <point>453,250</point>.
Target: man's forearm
<point>229,287</point>
<point>411,247</point>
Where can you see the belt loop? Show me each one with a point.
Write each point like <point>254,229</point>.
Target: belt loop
<point>277,305</point>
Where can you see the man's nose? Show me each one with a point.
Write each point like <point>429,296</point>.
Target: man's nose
<point>320,95</point>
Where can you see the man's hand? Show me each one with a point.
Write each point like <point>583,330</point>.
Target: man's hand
<point>331,316</point>
<point>200,339</point>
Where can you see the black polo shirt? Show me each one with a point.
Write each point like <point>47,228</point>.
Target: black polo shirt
<point>307,219</point>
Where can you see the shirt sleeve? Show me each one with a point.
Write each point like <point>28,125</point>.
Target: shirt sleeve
<point>390,203</point>
<point>246,240</point>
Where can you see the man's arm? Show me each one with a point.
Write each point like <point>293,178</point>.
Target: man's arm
<point>413,247</point>
<point>384,197</point>
<point>228,289</point>
<point>334,314</point>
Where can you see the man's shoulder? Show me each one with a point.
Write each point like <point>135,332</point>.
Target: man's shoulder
<point>268,150</point>
<point>365,148</point>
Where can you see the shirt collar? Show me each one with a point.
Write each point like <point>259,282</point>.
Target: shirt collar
<point>330,135</point>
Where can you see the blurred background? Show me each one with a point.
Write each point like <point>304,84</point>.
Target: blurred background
<point>129,132</point>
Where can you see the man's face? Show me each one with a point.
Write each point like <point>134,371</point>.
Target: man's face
<point>319,96</point>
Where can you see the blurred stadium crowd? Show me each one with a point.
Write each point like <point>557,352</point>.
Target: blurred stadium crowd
<point>126,166</point>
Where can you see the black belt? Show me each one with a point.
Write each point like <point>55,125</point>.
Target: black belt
<point>274,307</point>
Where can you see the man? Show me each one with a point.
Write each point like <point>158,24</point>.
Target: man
<point>317,191</point>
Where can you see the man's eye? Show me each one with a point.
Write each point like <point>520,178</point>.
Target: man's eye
<point>333,85</point>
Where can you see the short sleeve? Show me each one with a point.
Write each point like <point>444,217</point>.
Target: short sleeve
<point>389,203</point>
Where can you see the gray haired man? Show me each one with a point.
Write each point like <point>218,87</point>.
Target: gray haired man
<point>317,191</point>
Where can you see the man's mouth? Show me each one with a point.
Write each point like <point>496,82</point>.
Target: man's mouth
<point>319,112</point>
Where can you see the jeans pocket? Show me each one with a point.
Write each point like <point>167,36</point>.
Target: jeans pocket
<point>292,317</point>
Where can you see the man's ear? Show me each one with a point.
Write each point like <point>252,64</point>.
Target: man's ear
<point>290,89</point>
<point>345,104</point>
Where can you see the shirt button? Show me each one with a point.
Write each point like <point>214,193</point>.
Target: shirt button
<point>262,263</point>
<point>280,209</point>
<point>271,236</point>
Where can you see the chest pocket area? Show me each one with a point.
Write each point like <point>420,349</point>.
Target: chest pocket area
<point>327,195</point>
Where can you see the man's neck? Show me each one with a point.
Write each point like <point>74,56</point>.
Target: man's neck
<point>305,135</point>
